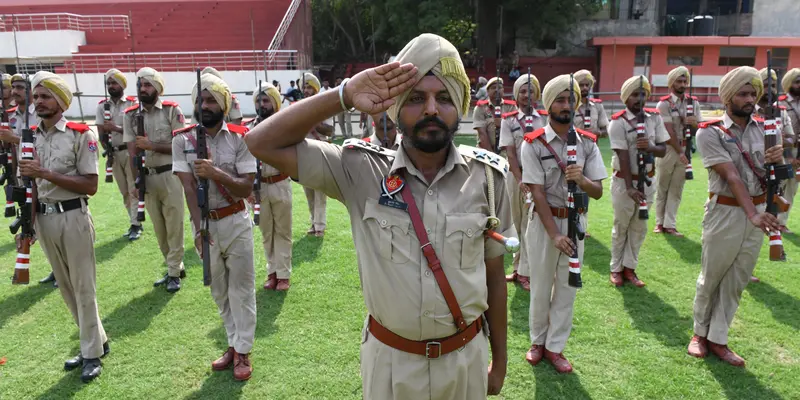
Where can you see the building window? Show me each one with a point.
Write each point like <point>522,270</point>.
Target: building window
<point>780,60</point>
<point>609,9</point>
<point>685,55</point>
<point>643,55</point>
<point>737,56</point>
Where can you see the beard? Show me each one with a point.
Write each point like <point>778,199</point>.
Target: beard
<point>115,92</point>
<point>679,91</point>
<point>561,118</point>
<point>264,113</point>
<point>584,94</point>
<point>45,113</point>
<point>795,92</point>
<point>742,112</point>
<point>148,99</point>
<point>212,118</point>
<point>430,141</point>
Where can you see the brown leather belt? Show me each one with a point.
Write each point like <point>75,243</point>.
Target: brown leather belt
<point>731,201</point>
<point>274,178</point>
<point>430,349</point>
<point>650,174</point>
<point>562,212</point>
<point>223,212</point>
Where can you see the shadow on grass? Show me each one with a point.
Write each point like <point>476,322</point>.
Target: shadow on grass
<point>219,385</point>
<point>520,304</point>
<point>596,255</point>
<point>739,383</point>
<point>67,387</point>
<point>268,306</point>
<point>792,237</point>
<point>107,250</point>
<point>784,308</point>
<point>689,250</point>
<point>306,249</point>
<point>552,385</point>
<point>136,316</point>
<point>22,301</point>
<point>11,246</point>
<point>652,315</point>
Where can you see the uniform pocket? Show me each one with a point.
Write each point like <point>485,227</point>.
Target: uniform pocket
<point>464,240</point>
<point>391,228</point>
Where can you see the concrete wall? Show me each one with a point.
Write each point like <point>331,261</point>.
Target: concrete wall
<point>776,18</point>
<point>61,43</point>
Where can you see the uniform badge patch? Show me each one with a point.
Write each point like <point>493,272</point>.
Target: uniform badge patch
<point>390,186</point>
<point>92,145</point>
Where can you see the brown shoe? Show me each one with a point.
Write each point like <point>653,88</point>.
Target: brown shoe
<point>616,279</point>
<point>271,282</point>
<point>311,231</point>
<point>525,282</point>
<point>754,279</point>
<point>725,354</point>
<point>673,232</point>
<point>320,234</point>
<point>283,285</point>
<point>630,275</point>
<point>698,347</point>
<point>560,363</point>
<point>512,277</point>
<point>225,361</point>
<point>241,367</point>
<point>587,235</point>
<point>534,355</point>
<point>658,229</point>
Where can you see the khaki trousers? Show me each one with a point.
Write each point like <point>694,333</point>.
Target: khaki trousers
<point>67,240</point>
<point>164,204</point>
<point>790,191</point>
<point>519,214</point>
<point>669,180</point>
<point>628,232</point>
<point>317,208</point>
<point>233,278</point>
<point>552,299</point>
<point>275,223</point>
<point>126,183</point>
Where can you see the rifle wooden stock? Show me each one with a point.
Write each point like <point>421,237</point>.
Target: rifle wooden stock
<point>202,185</point>
<point>687,134</point>
<point>257,194</point>
<point>26,217</point>
<point>574,232</point>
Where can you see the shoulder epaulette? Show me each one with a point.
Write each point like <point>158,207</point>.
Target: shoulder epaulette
<point>131,108</point>
<point>82,128</point>
<point>169,103</point>
<point>102,101</point>
<point>354,143</point>
<point>587,134</point>
<point>510,113</point>
<point>664,98</point>
<point>482,102</point>
<point>782,97</point>
<point>12,109</point>
<point>782,107</point>
<point>706,124</point>
<point>652,110</point>
<point>757,118</point>
<point>693,98</point>
<point>533,135</point>
<point>543,112</point>
<point>618,114</point>
<point>233,96</point>
<point>367,139</point>
<point>34,127</point>
<point>509,102</point>
<point>131,98</point>
<point>241,130</point>
<point>248,121</point>
<point>486,157</point>
<point>593,100</point>
<point>180,131</point>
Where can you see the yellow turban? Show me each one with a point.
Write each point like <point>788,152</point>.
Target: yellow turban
<point>6,79</point>
<point>217,88</point>
<point>676,73</point>
<point>584,74</point>
<point>789,78</point>
<point>212,71</point>
<point>434,54</point>
<point>558,85</point>
<point>522,81</point>
<point>117,76</point>
<point>17,78</point>
<point>763,74</point>
<point>271,91</point>
<point>56,85</point>
<point>733,81</point>
<point>632,84</point>
<point>312,81</point>
<point>152,76</point>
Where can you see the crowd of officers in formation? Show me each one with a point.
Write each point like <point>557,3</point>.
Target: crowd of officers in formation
<point>432,281</point>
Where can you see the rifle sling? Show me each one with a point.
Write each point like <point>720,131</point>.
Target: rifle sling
<point>221,188</point>
<point>761,180</point>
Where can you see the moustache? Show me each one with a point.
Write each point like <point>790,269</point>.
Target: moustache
<point>427,121</point>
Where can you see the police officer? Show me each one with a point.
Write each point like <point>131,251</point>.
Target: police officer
<point>544,154</point>
<point>5,80</point>
<point>234,116</point>
<point>791,103</point>
<point>590,114</point>
<point>386,133</point>
<point>483,115</point>
<point>317,200</point>
<point>735,219</point>
<point>115,85</point>
<point>629,231</point>
<point>163,199</point>
<point>20,96</point>
<point>65,168</point>
<point>275,211</point>
<point>671,168</point>
<point>230,171</point>
<point>512,131</point>
<point>424,338</point>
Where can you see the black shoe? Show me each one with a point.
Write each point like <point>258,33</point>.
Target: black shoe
<point>55,284</point>
<point>165,279</point>
<point>128,233</point>
<point>173,285</point>
<point>92,367</point>
<point>135,232</point>
<point>77,361</point>
<point>49,278</point>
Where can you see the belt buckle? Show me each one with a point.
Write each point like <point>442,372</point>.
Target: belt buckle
<point>213,214</point>
<point>437,348</point>
<point>49,209</point>
<point>151,171</point>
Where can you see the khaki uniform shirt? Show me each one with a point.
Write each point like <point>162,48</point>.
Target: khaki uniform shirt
<point>117,116</point>
<point>784,124</point>
<point>622,135</point>
<point>227,152</point>
<point>313,135</point>
<point>392,146</point>
<point>65,151</point>
<point>512,130</point>
<point>483,117</point>
<point>235,111</point>
<point>673,110</point>
<point>159,123</point>
<point>717,147</point>
<point>17,120</point>
<point>399,289</point>
<point>597,115</point>
<point>541,168</point>
<point>793,109</point>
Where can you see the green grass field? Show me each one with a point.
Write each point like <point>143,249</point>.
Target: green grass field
<point>626,343</point>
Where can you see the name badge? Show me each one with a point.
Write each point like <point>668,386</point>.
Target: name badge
<point>730,140</point>
<point>385,201</point>
<point>547,157</point>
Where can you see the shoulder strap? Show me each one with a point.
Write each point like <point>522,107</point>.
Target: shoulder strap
<point>221,188</point>
<point>762,180</point>
<point>433,261</point>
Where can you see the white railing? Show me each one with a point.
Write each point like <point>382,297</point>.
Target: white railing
<point>64,21</point>
<point>277,40</point>
<point>236,60</point>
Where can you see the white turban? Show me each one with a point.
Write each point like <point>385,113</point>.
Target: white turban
<point>522,81</point>
<point>789,78</point>
<point>632,84</point>
<point>733,81</point>
<point>152,76</point>
<point>117,76</point>
<point>271,91</point>
<point>676,73</point>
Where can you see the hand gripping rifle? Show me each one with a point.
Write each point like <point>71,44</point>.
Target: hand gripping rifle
<point>576,198</point>
<point>775,173</point>
<point>202,185</point>
<point>687,133</point>
<point>257,181</point>
<point>27,209</point>
<point>643,157</point>
<point>498,112</point>
<point>6,151</point>
<point>141,179</point>
<point>106,138</point>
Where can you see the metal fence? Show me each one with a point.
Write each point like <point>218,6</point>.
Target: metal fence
<point>188,61</point>
<point>64,21</point>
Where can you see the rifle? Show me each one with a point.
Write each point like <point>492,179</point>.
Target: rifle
<point>643,158</point>
<point>687,133</point>
<point>257,181</point>
<point>202,186</point>
<point>576,198</point>
<point>529,124</point>
<point>498,112</point>
<point>27,208</point>
<point>141,180</point>
<point>106,138</point>
<point>7,149</point>
<point>775,173</point>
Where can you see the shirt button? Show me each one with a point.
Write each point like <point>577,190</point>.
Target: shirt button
<point>427,273</point>
<point>428,230</point>
<point>430,192</point>
<point>469,232</point>
<point>383,222</point>
<point>426,313</point>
